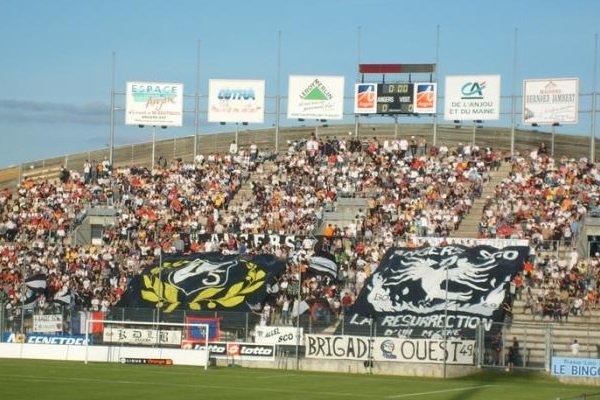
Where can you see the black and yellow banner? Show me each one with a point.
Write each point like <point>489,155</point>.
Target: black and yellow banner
<point>204,282</point>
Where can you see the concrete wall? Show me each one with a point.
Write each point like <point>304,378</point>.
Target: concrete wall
<point>99,353</point>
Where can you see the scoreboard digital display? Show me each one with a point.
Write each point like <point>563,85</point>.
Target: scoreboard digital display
<point>395,98</point>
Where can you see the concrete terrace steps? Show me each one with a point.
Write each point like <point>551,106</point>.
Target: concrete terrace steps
<point>245,191</point>
<point>469,226</point>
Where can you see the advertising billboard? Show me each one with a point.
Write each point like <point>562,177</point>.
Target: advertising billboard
<point>315,97</point>
<point>472,97</point>
<point>154,103</point>
<point>549,101</point>
<point>365,98</point>
<point>236,101</point>
<point>425,98</point>
<point>579,367</point>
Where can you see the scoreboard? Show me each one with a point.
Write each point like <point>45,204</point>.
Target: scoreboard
<point>395,98</point>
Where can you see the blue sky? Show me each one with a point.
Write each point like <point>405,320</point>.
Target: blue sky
<point>56,56</point>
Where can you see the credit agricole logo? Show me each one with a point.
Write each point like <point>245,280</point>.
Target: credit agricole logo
<point>316,91</point>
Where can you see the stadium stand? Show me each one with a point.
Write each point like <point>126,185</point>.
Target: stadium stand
<point>454,190</point>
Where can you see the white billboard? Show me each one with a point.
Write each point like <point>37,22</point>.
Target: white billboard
<point>315,97</point>
<point>236,101</point>
<point>549,101</point>
<point>154,103</point>
<point>280,335</point>
<point>48,323</point>
<point>141,336</point>
<point>472,97</point>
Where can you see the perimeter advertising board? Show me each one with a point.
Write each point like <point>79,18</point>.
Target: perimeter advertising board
<point>140,336</point>
<point>315,97</point>
<point>154,103</point>
<point>236,101</point>
<point>549,101</point>
<point>235,350</point>
<point>579,367</point>
<point>472,97</point>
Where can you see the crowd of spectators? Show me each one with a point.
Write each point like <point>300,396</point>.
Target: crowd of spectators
<point>412,190</point>
<point>544,200</point>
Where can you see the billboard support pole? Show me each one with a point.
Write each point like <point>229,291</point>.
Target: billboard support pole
<point>358,79</point>
<point>437,61</point>
<point>278,95</point>
<point>197,101</point>
<point>153,146</point>
<point>593,126</point>
<point>513,97</point>
<point>112,114</point>
<point>552,149</point>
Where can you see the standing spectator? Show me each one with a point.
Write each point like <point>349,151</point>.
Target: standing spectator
<point>575,348</point>
<point>233,148</point>
<point>514,355</point>
<point>347,301</point>
<point>253,151</point>
<point>285,311</point>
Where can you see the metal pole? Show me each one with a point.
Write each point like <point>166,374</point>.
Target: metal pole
<point>23,291</point>
<point>237,131</point>
<point>445,334</point>
<point>437,61</point>
<point>197,101</point>
<point>358,50</point>
<point>160,277</point>
<point>513,105</point>
<point>298,300</point>
<point>474,131</point>
<point>278,94</point>
<point>153,145</point>
<point>112,113</point>
<point>552,149</point>
<point>593,127</point>
<point>395,127</point>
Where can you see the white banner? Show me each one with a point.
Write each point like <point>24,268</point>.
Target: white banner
<point>48,323</point>
<point>390,349</point>
<point>154,103</point>
<point>473,97</point>
<point>425,98</point>
<point>549,101</point>
<point>469,242</point>
<point>315,97</point>
<point>286,335</point>
<point>236,101</point>
<point>141,336</point>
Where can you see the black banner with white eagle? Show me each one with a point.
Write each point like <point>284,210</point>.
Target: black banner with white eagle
<point>204,282</point>
<point>431,291</point>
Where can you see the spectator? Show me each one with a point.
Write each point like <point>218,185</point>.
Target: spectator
<point>575,348</point>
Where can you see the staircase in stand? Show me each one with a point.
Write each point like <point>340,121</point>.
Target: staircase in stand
<point>469,226</point>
